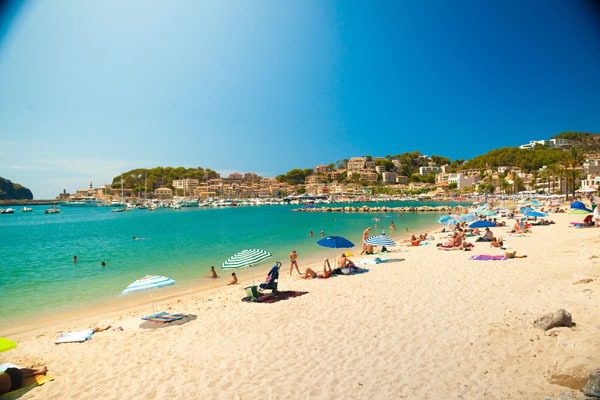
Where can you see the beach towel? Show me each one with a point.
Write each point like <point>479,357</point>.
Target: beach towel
<point>75,337</point>
<point>371,261</point>
<point>28,384</point>
<point>488,257</point>
<point>163,317</point>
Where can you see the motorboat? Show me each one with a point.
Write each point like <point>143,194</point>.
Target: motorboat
<point>7,211</point>
<point>52,210</point>
<point>27,209</point>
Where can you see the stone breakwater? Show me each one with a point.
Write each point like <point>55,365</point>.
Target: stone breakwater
<point>367,209</point>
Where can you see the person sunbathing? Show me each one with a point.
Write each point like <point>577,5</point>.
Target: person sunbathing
<point>326,273</point>
<point>498,243</point>
<point>12,378</point>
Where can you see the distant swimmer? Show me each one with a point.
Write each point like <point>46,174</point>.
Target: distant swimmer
<point>103,264</point>
<point>322,233</point>
<point>74,259</point>
<point>213,273</point>
<point>234,279</point>
<point>311,233</point>
<point>392,226</point>
<point>134,238</point>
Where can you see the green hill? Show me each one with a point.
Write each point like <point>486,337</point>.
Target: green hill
<point>13,191</point>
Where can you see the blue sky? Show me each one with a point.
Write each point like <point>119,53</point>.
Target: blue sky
<point>91,89</point>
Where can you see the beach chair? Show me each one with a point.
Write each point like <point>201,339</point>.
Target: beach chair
<point>272,279</point>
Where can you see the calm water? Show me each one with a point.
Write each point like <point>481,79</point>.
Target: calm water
<point>36,250</point>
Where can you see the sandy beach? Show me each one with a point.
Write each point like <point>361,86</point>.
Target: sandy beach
<point>428,324</point>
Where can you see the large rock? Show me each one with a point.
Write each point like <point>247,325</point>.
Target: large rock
<point>592,386</point>
<point>560,317</point>
<point>569,371</point>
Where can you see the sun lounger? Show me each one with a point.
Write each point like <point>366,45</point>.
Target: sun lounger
<point>163,317</point>
<point>75,337</point>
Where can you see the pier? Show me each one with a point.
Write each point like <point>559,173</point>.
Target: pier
<point>367,209</point>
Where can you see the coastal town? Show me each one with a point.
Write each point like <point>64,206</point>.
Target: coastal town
<point>367,177</point>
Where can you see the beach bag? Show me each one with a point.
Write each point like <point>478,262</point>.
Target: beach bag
<point>511,254</point>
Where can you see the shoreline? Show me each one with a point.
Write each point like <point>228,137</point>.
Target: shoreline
<point>379,335</point>
<point>140,302</point>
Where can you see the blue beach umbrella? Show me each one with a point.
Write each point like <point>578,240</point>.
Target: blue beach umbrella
<point>578,205</point>
<point>148,282</point>
<point>482,224</point>
<point>380,240</point>
<point>534,214</point>
<point>470,217</point>
<point>335,242</point>
<point>448,220</point>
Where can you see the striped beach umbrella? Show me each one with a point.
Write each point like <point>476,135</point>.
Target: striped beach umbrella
<point>246,258</point>
<point>147,283</point>
<point>380,240</point>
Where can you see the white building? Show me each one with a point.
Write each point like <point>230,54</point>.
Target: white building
<point>556,143</point>
<point>431,169</point>
<point>462,181</point>
<point>389,177</point>
<point>591,184</point>
<point>185,185</point>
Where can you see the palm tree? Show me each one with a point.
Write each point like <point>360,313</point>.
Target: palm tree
<point>571,164</point>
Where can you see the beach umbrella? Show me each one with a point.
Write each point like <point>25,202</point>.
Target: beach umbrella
<point>148,282</point>
<point>578,205</point>
<point>335,242</point>
<point>470,217</point>
<point>380,240</point>
<point>482,224</point>
<point>448,219</point>
<point>488,213</point>
<point>534,214</point>
<point>246,258</point>
<point>577,211</point>
<point>7,344</point>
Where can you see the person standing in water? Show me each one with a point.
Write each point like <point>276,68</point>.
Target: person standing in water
<point>311,233</point>
<point>74,259</point>
<point>393,227</point>
<point>294,262</point>
<point>213,273</point>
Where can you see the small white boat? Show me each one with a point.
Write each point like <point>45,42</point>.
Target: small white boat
<point>27,209</point>
<point>119,209</point>
<point>9,211</point>
<point>52,210</point>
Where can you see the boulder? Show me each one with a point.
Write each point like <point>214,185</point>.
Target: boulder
<point>592,386</point>
<point>570,372</point>
<point>560,317</point>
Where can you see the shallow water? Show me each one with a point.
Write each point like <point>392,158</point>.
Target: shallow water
<point>38,275</point>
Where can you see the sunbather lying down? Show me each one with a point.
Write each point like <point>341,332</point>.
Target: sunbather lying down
<point>326,273</point>
<point>12,378</point>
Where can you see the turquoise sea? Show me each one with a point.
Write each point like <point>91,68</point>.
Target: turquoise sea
<point>38,275</point>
